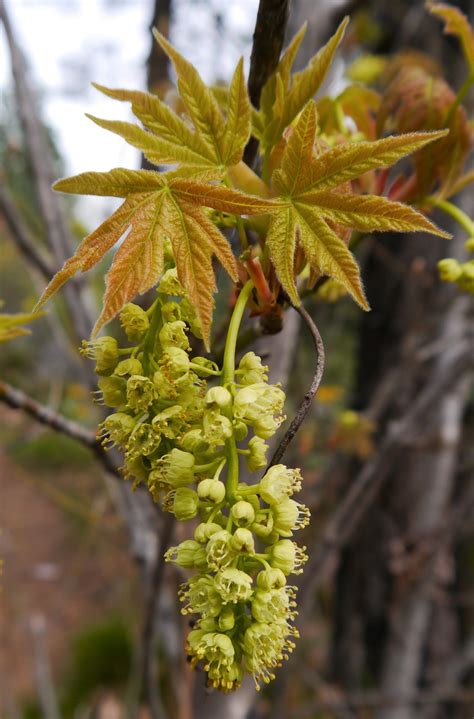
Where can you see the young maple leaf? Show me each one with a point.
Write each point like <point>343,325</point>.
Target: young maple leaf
<point>215,142</point>
<point>284,94</point>
<point>456,23</point>
<point>11,326</point>
<point>310,189</point>
<point>157,206</point>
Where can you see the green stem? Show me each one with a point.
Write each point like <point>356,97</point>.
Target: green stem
<point>455,212</point>
<point>463,90</point>
<point>228,376</point>
<point>149,342</point>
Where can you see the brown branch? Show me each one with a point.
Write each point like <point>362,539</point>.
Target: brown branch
<point>268,38</point>
<point>17,399</point>
<point>22,237</point>
<point>305,405</point>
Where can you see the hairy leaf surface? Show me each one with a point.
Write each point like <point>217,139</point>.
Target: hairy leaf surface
<point>315,188</point>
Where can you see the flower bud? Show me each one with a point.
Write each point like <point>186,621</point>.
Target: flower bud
<point>242,541</point>
<point>194,441</point>
<point>251,370</point>
<point>104,351</point>
<point>278,483</point>
<point>266,426</point>
<point>114,391</point>
<point>233,585</point>
<point>128,367</point>
<point>205,530</point>
<point>140,392</point>
<point>263,524</point>
<point>240,430</point>
<point>449,269</point>
<point>182,502</point>
<point>184,554</point>
<point>134,321</point>
<point>242,513</point>
<point>257,459</point>
<point>287,556</point>
<point>170,285</point>
<point>170,311</point>
<point>212,490</point>
<point>173,334</point>
<point>469,244</point>
<point>271,579</point>
<point>219,396</point>
<point>226,619</point>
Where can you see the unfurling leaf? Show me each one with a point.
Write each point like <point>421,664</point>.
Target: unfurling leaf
<point>315,188</point>
<point>157,207</point>
<point>11,326</point>
<point>456,23</point>
<point>285,95</point>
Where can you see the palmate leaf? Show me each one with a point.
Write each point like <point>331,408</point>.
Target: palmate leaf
<point>314,201</point>
<point>157,206</point>
<point>285,95</point>
<point>215,142</point>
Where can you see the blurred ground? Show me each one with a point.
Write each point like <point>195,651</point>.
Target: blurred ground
<point>52,523</point>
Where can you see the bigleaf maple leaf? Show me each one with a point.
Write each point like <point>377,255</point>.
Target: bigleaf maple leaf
<point>157,206</point>
<point>314,196</point>
<point>214,141</point>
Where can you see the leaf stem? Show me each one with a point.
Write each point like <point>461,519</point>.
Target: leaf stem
<point>455,212</point>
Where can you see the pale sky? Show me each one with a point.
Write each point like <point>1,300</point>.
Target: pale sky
<point>69,43</point>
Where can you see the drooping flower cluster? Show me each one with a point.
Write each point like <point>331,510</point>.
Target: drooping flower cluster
<point>461,273</point>
<point>183,424</point>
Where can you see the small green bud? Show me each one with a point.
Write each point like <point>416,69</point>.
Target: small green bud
<point>251,370</point>
<point>134,321</point>
<point>449,269</point>
<point>114,391</point>
<point>278,483</point>
<point>140,392</point>
<point>242,541</point>
<point>240,430</point>
<point>469,244</point>
<point>466,280</point>
<point>271,579</point>
<point>257,459</point>
<point>194,441</point>
<point>104,351</point>
<point>233,585</point>
<point>173,334</point>
<point>170,285</point>
<point>184,554</point>
<point>242,514</point>
<point>287,556</point>
<point>182,502</point>
<point>212,490</point>
<point>205,530</point>
<point>263,524</point>
<point>219,396</point>
<point>226,620</point>
<point>266,426</point>
<point>170,311</point>
<point>128,367</point>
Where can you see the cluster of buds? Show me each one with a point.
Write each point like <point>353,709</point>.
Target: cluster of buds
<point>461,273</point>
<point>185,427</point>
